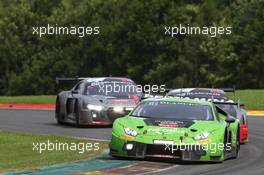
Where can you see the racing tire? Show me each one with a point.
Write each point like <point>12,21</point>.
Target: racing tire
<point>77,114</point>
<point>58,115</point>
<point>237,145</point>
<point>226,142</point>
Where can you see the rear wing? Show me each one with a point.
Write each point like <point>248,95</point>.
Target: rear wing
<point>228,89</point>
<point>69,79</point>
<point>238,103</point>
<point>67,82</point>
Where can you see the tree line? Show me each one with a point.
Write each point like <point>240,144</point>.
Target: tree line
<point>131,43</point>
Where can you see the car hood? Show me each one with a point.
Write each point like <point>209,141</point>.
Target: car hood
<point>110,101</point>
<point>168,127</point>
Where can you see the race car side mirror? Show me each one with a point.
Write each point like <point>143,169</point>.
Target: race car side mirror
<point>145,96</point>
<point>242,105</point>
<point>230,120</point>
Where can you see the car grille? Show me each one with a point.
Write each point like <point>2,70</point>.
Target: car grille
<point>161,150</point>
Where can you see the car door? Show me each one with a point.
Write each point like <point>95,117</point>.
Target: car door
<point>72,101</point>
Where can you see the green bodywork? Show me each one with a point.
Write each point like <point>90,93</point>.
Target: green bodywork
<point>217,128</point>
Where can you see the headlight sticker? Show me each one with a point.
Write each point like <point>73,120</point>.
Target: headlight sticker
<point>130,132</point>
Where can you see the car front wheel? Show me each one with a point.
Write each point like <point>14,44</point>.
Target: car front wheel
<point>58,112</point>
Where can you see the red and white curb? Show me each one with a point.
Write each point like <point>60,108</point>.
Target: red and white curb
<point>52,107</point>
<point>28,106</point>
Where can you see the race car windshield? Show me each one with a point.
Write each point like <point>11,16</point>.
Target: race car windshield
<point>173,110</point>
<point>115,89</point>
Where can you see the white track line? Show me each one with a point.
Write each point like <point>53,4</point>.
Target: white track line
<point>86,138</point>
<point>159,170</point>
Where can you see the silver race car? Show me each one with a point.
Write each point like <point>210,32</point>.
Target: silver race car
<point>96,101</point>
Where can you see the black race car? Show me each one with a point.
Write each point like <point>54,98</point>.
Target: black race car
<point>96,101</point>
<point>219,97</point>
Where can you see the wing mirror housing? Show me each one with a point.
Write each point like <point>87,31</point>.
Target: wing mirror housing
<point>75,92</point>
<point>145,96</point>
<point>240,104</point>
<point>230,120</point>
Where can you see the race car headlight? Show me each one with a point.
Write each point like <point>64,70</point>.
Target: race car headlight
<point>129,108</point>
<point>201,136</point>
<point>94,107</point>
<point>118,109</point>
<point>130,132</point>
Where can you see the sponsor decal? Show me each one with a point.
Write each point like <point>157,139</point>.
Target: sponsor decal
<point>168,123</point>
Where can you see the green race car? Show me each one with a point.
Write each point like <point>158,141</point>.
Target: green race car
<point>176,128</point>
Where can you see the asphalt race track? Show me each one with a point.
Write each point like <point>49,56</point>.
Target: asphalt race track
<point>44,122</point>
<point>250,161</point>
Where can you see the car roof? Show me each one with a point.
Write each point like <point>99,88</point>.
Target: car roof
<point>199,93</point>
<point>181,100</point>
<point>201,90</point>
<point>100,79</point>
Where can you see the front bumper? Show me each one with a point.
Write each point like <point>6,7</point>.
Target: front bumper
<point>104,117</point>
<point>143,150</point>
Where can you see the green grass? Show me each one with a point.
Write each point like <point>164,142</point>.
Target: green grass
<point>16,151</point>
<point>41,99</point>
<point>253,99</point>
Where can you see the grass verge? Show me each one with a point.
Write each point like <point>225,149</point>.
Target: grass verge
<point>253,99</point>
<point>16,150</point>
<point>40,99</point>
